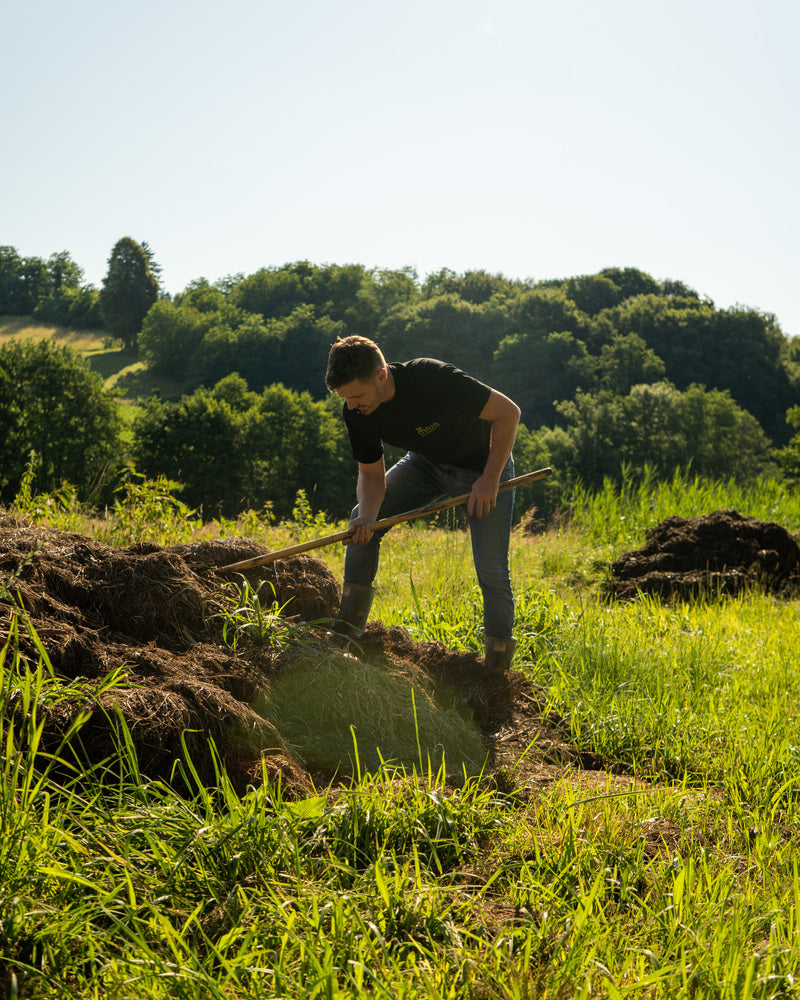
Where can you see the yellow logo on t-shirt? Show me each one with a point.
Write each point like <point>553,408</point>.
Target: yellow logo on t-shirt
<point>425,431</point>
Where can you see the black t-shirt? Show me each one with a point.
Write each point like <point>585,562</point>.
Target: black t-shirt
<point>434,412</point>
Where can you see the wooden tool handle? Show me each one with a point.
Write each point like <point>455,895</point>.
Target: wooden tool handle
<point>386,522</point>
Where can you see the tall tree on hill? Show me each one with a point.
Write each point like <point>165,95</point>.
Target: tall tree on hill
<point>129,289</point>
<point>155,267</point>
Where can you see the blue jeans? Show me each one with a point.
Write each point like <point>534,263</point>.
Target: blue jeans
<point>416,482</point>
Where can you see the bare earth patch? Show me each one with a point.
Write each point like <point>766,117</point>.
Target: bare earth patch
<point>716,554</point>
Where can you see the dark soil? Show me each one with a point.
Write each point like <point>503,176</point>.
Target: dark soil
<point>722,553</point>
<point>150,611</point>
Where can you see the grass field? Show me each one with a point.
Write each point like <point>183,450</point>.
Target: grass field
<point>684,886</point>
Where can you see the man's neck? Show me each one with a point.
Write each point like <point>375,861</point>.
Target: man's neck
<point>388,389</point>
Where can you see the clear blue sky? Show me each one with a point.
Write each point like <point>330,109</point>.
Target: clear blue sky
<point>540,140</point>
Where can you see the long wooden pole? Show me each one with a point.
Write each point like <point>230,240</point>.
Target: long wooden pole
<point>386,522</point>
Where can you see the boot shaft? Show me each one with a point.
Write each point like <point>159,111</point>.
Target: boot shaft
<point>499,653</point>
<point>354,609</point>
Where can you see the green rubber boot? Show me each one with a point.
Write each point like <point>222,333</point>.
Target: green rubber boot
<point>354,610</point>
<point>499,653</point>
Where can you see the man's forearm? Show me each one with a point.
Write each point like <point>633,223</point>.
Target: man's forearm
<point>504,415</point>
<point>504,433</point>
<point>370,492</point>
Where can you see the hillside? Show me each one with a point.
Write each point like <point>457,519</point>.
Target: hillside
<point>118,367</point>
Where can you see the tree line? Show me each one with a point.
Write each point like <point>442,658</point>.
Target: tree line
<point>54,290</point>
<point>616,373</point>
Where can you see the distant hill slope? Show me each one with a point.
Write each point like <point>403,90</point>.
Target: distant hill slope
<point>119,368</point>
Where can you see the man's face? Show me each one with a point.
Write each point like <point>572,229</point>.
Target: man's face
<point>364,395</point>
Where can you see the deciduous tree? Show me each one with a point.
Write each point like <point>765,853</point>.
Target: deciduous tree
<point>607,435</point>
<point>52,404</point>
<point>446,327</point>
<point>625,362</point>
<point>233,449</point>
<point>538,370</point>
<point>789,456</point>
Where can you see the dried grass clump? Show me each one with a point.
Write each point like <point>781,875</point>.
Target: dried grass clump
<point>346,717</point>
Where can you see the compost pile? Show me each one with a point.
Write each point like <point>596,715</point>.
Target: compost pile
<point>152,613</point>
<point>722,553</point>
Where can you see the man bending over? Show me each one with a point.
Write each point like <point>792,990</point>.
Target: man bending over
<point>458,434</point>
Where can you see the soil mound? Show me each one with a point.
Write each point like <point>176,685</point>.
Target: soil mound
<point>722,553</point>
<point>151,616</point>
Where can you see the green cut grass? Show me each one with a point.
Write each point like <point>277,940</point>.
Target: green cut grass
<point>346,717</point>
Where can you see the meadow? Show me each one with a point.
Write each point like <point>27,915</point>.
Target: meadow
<point>119,368</point>
<point>682,885</point>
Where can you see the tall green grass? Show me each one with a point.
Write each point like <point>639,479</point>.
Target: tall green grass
<point>671,874</point>
<point>617,517</point>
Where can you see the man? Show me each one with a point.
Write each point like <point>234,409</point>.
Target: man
<point>458,434</point>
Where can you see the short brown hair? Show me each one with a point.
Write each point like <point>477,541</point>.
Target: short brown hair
<point>352,358</point>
